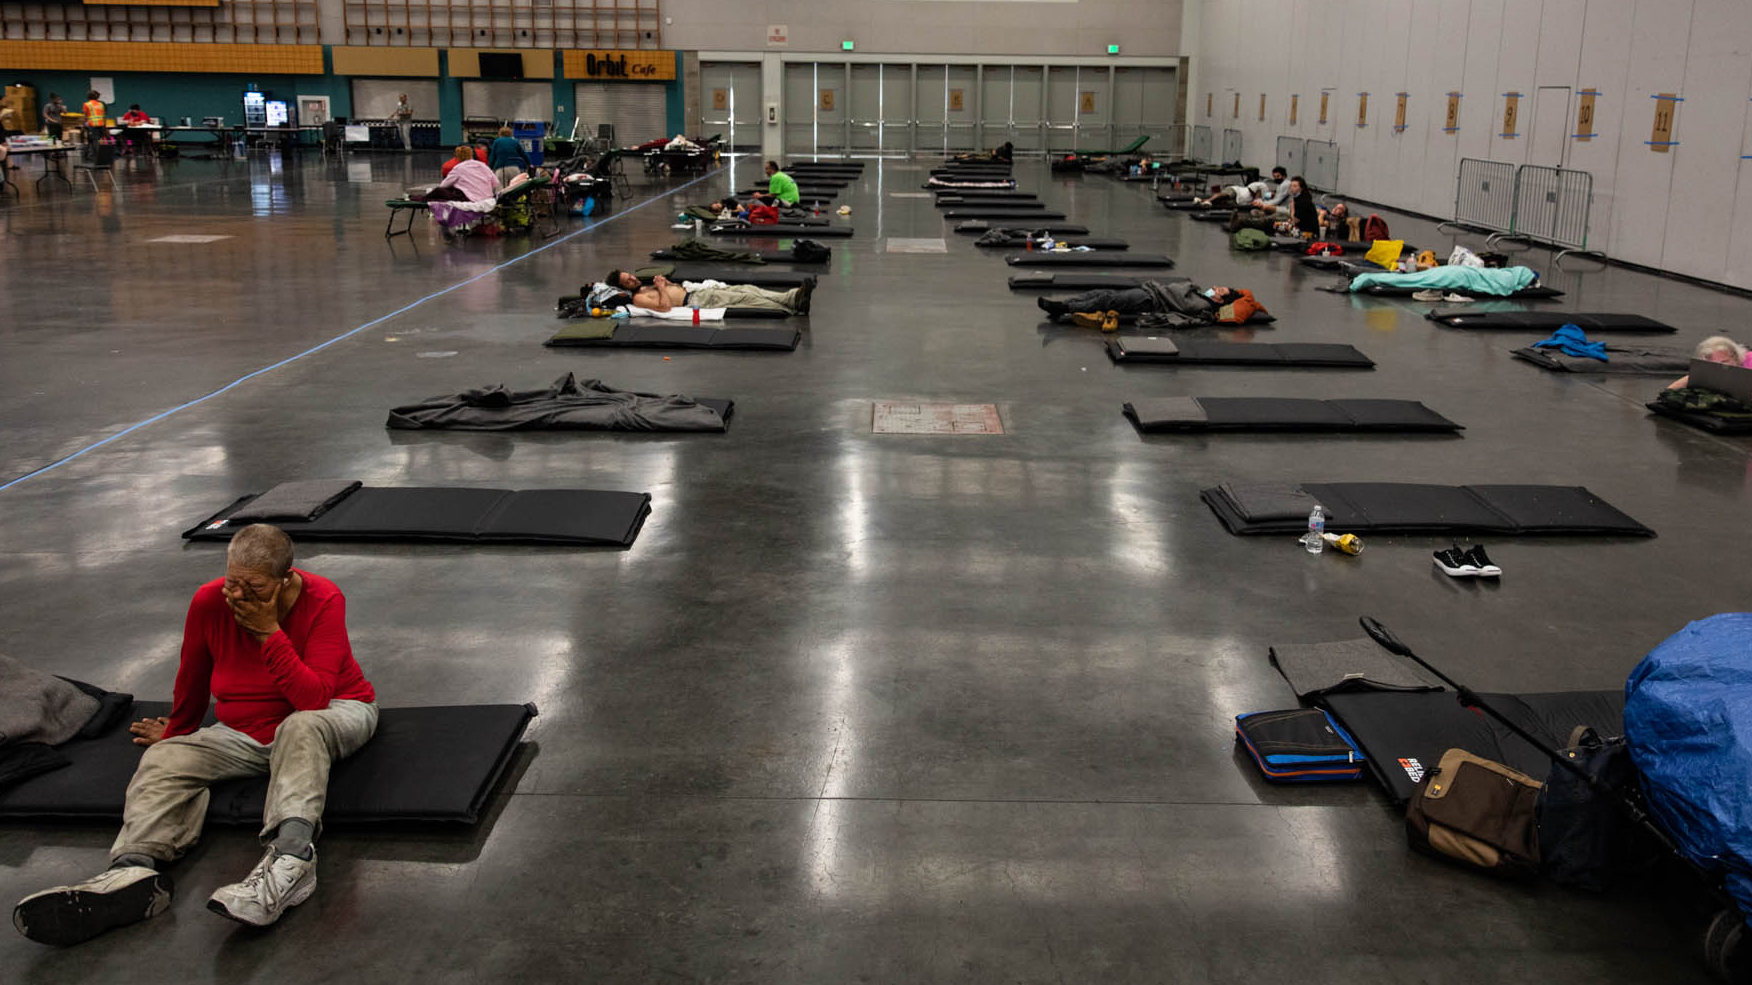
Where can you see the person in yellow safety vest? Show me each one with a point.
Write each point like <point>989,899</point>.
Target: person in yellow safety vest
<point>93,109</point>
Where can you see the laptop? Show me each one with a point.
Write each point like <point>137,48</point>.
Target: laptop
<point>1724,378</point>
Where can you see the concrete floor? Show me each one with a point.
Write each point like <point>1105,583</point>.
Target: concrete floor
<point>855,707</point>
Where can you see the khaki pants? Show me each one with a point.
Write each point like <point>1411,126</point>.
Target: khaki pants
<point>167,798</point>
<point>745,296</point>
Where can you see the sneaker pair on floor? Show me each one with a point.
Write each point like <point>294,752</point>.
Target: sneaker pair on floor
<point>1439,296</point>
<point>1107,321</point>
<point>132,893</point>
<point>1474,563</point>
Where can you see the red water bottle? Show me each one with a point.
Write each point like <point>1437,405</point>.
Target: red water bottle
<point>696,312</point>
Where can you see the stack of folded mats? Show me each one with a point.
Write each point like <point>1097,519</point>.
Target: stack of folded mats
<point>1284,414</point>
<point>339,509</point>
<point>1589,322</point>
<point>630,333</point>
<point>1407,507</point>
<point>1261,355</point>
<point>433,764</point>
<point>567,405</point>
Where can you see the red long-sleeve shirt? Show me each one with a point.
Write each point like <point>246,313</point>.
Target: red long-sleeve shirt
<point>303,667</point>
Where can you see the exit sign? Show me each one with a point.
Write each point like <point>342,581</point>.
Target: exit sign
<point>845,46</point>
<point>1113,49</point>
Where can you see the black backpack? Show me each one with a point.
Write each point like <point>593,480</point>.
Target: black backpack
<point>1585,839</point>
<point>809,251</point>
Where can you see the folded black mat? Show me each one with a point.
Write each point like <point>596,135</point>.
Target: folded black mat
<point>1408,507</point>
<point>1017,242</point>
<point>1589,322</point>
<point>1014,215</point>
<point>568,405</point>
<point>978,195</point>
<point>1094,258</point>
<point>782,230</point>
<point>305,499</point>
<point>1053,226</point>
<point>1188,205</point>
<point>675,335</point>
<point>1315,669</point>
<point>458,515</point>
<point>436,764</point>
<point>1047,280</point>
<point>760,276</point>
<point>1697,419</point>
<point>1404,735</point>
<point>1261,355</point>
<point>1284,414</point>
<point>1209,215</point>
<point>1634,360</point>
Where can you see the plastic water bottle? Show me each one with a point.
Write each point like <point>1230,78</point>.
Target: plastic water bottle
<point>1315,541</point>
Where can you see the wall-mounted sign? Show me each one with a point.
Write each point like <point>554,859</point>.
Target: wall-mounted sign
<point>1295,98</point>
<point>1511,109</point>
<point>1235,111</point>
<point>778,35</point>
<point>1207,105</point>
<point>1585,115</point>
<point>628,65</point>
<point>1399,113</point>
<point>1086,102</point>
<point>827,100</point>
<point>1362,109</point>
<point>720,99</point>
<point>1666,106</point>
<point>1323,98</point>
<point>956,100</point>
<point>1453,123</point>
<point>1262,107</point>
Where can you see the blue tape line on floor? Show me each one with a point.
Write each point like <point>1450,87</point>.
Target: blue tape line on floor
<point>347,334</point>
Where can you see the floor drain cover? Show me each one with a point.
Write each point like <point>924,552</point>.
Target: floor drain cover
<point>902,417</point>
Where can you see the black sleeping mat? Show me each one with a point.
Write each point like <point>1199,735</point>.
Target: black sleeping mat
<point>1094,258</point>
<point>997,212</point>
<point>1187,205</point>
<point>782,229</point>
<point>756,274</point>
<point>1589,322</point>
<point>1707,422</point>
<point>1055,227</point>
<point>766,256</point>
<point>1405,733</point>
<point>1260,355</point>
<point>1046,280</point>
<point>1211,215</point>
<point>1284,414</point>
<point>1417,508</point>
<point>1015,243</point>
<point>983,195</point>
<point>677,335</point>
<point>1537,292</point>
<point>424,764</point>
<point>1633,360</point>
<point>452,514</point>
<point>1029,204</point>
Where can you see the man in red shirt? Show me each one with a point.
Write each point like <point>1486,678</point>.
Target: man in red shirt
<point>269,643</point>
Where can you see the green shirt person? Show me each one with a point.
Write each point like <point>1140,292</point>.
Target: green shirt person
<point>780,185</point>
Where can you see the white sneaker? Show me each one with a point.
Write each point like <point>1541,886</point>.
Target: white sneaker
<point>113,898</point>
<point>1426,295</point>
<point>1457,299</point>
<point>277,883</point>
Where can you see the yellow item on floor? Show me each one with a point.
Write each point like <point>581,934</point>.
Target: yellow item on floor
<point>1385,252</point>
<point>1426,260</point>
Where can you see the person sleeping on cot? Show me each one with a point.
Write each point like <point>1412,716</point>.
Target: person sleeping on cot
<point>1171,304</point>
<point>663,294</point>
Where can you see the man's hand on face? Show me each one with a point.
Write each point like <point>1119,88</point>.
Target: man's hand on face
<point>259,615</point>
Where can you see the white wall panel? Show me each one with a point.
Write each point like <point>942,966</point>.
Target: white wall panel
<point>1661,29</point>
<point>1705,163</point>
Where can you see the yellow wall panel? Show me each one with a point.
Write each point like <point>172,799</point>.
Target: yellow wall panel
<point>148,56</point>
<point>614,65</point>
<point>538,63</point>
<point>419,62</point>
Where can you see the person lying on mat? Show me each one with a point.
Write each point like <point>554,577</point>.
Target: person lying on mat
<point>1716,349</point>
<point>269,642</point>
<point>1235,196</point>
<point>663,294</point>
<point>1174,304</point>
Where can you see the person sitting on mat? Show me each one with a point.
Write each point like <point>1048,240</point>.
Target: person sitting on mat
<point>780,187</point>
<point>663,294</point>
<point>269,642</point>
<point>1302,217</point>
<point>1336,221</point>
<point>1716,349</point>
<point>1176,304</point>
<point>1280,194</point>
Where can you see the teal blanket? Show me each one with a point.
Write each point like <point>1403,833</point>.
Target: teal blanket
<point>1499,281</point>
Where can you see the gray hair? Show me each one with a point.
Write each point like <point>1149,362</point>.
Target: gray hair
<point>262,547</point>
<point>1721,343</point>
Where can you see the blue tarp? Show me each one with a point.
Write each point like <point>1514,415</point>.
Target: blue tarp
<point>1688,720</point>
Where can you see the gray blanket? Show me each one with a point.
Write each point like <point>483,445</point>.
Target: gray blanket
<point>1314,669</point>
<point>39,707</point>
<point>1178,304</point>
<point>305,499</point>
<point>567,405</point>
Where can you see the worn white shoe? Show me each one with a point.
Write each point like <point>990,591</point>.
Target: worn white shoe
<point>277,883</point>
<point>113,898</point>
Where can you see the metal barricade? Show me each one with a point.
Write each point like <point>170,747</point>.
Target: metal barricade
<point>1201,145</point>
<point>1231,147</point>
<point>1484,195</point>
<point>1552,207</point>
<point>1289,154</point>
<point>1320,165</point>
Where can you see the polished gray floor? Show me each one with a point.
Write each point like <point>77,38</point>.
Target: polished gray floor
<point>855,707</point>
